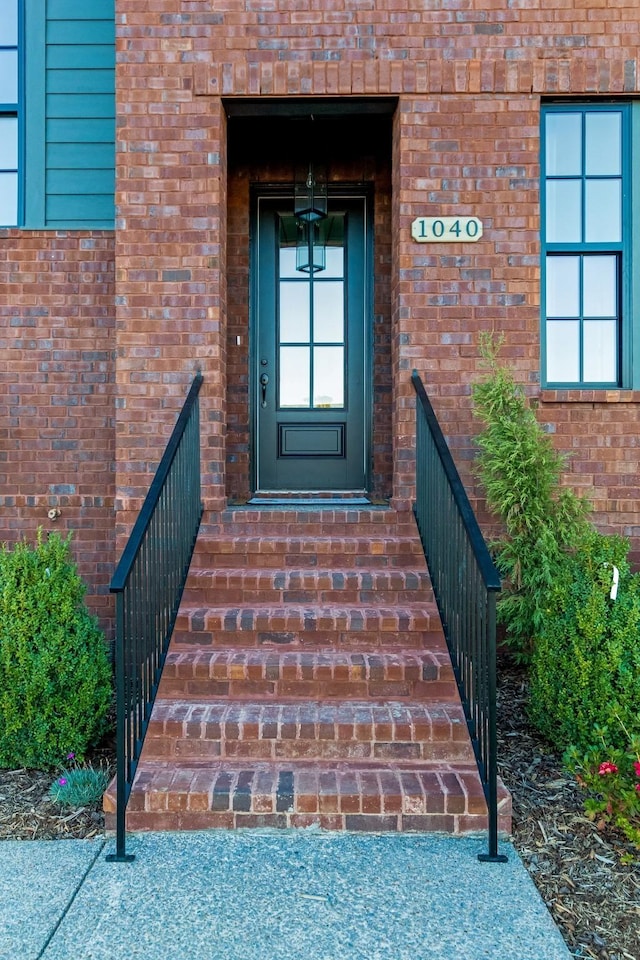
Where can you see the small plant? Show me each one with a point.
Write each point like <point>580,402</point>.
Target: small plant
<point>585,668</point>
<point>79,785</point>
<point>611,775</point>
<point>55,678</point>
<point>521,473</point>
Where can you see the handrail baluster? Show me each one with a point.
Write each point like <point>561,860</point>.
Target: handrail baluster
<point>465,584</point>
<point>148,584</point>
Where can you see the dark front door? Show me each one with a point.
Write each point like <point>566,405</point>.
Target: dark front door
<point>310,363</point>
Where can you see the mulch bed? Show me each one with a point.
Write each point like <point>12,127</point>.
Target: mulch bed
<point>593,895</point>
<point>580,871</point>
<point>26,813</point>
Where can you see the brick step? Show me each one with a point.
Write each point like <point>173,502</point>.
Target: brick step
<point>361,797</point>
<point>333,520</point>
<point>333,730</point>
<point>317,674</point>
<point>350,586</point>
<point>285,552</point>
<point>364,626</point>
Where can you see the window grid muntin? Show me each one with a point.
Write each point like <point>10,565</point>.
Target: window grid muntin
<point>9,112</point>
<point>582,319</point>
<point>313,345</point>
<point>584,247</point>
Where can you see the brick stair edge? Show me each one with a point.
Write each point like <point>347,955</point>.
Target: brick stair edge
<point>456,805</point>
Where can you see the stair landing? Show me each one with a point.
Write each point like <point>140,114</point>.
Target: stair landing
<point>308,683</point>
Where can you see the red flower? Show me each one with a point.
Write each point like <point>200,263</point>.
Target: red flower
<point>636,767</point>
<point>606,768</point>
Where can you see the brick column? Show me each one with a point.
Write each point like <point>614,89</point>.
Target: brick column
<point>171,223</point>
<point>403,311</point>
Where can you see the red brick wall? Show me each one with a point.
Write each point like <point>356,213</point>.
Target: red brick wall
<point>469,78</point>
<point>363,47</point>
<point>57,435</point>
<point>472,156</point>
<point>170,260</point>
<point>237,407</point>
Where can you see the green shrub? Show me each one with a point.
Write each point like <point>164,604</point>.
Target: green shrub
<point>521,473</point>
<point>585,668</point>
<point>55,679</point>
<point>582,646</point>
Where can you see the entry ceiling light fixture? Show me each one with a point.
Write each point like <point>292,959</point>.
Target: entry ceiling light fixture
<point>310,204</point>
<point>310,208</point>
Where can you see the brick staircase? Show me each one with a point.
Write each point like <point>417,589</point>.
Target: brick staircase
<point>308,684</point>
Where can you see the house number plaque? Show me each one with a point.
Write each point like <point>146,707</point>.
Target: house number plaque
<point>446,229</point>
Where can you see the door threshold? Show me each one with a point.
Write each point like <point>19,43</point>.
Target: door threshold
<point>313,498</point>
<point>308,501</point>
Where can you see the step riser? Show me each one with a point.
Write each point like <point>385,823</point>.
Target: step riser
<point>307,525</point>
<point>309,619</point>
<point>327,522</point>
<point>228,560</point>
<point>313,730</point>
<point>204,690</point>
<point>157,748</point>
<point>185,635</point>
<point>268,675</point>
<point>447,799</point>
<point>358,822</point>
<point>202,595</point>
<point>337,587</point>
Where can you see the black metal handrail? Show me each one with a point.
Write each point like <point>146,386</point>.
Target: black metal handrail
<point>148,584</point>
<point>465,583</point>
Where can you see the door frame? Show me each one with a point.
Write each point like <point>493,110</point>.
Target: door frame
<point>285,191</point>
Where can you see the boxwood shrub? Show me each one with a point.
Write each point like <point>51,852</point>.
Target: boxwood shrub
<point>55,677</point>
<point>585,667</point>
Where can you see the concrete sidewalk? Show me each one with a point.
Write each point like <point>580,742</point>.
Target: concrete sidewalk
<point>271,896</point>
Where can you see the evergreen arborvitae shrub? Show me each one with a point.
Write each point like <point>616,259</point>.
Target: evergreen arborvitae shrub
<point>585,667</point>
<point>55,677</point>
<point>521,473</point>
<point>581,645</point>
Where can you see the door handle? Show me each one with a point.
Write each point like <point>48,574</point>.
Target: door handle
<point>264,380</point>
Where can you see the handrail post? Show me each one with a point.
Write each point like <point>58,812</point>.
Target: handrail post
<point>120,856</point>
<point>492,856</point>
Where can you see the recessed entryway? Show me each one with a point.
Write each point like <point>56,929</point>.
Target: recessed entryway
<point>325,334</point>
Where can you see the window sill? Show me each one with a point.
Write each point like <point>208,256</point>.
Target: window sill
<point>607,395</point>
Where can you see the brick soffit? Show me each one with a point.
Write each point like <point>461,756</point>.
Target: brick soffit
<point>546,76</point>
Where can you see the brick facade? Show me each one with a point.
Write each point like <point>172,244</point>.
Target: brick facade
<point>57,366</point>
<point>469,77</point>
<point>469,83</point>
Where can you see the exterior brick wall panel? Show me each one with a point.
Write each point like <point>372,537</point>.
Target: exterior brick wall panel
<point>466,139</point>
<point>57,417</point>
<point>469,79</point>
